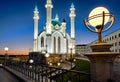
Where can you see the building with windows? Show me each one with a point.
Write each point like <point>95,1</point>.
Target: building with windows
<point>54,38</point>
<point>82,49</point>
<point>113,38</point>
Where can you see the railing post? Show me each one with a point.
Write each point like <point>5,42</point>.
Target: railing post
<point>62,75</point>
<point>38,74</point>
<point>35,72</point>
<point>50,74</point>
<point>89,78</point>
<point>32,73</point>
<point>42,74</point>
<point>79,77</point>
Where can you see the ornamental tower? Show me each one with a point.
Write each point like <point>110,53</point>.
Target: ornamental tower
<point>72,17</point>
<point>36,18</point>
<point>48,7</point>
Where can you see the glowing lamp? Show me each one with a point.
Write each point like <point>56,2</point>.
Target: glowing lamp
<point>50,64</point>
<point>98,19</point>
<point>101,19</point>
<point>47,55</point>
<point>71,46</point>
<point>58,64</point>
<point>6,49</point>
<point>31,60</point>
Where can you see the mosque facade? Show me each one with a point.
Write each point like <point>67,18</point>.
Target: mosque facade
<point>54,38</point>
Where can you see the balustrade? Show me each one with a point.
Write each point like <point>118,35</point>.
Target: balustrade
<point>44,73</point>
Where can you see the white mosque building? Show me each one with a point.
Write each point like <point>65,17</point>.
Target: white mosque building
<point>54,38</point>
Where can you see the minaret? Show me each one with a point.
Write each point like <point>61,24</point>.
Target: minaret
<point>64,27</point>
<point>48,7</point>
<point>72,17</point>
<point>36,18</point>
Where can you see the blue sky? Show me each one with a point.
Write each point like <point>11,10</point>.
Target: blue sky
<point>16,20</point>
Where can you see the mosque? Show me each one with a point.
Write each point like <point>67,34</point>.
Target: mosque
<point>54,39</point>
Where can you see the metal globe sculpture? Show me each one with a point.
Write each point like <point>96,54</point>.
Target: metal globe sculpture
<point>99,20</point>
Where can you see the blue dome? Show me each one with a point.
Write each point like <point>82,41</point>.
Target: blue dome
<point>55,22</point>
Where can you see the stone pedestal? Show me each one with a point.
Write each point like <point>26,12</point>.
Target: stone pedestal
<point>101,60</point>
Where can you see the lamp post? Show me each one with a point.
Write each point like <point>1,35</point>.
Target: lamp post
<point>31,61</point>
<point>71,47</point>
<point>101,58</point>
<point>47,55</point>
<point>97,19</point>
<point>6,54</point>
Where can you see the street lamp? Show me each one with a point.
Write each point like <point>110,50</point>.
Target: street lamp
<point>6,53</point>
<point>71,47</point>
<point>47,55</point>
<point>31,61</point>
<point>99,20</point>
<point>58,63</point>
<point>6,50</point>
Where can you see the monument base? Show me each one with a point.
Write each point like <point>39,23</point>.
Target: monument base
<point>101,60</point>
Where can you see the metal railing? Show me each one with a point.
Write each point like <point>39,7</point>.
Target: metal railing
<point>44,73</point>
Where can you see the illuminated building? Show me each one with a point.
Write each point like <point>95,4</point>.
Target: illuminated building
<point>82,49</point>
<point>53,38</point>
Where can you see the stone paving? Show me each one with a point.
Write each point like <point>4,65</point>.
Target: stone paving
<point>20,75</point>
<point>5,76</point>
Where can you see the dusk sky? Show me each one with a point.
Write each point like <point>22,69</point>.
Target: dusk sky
<point>16,21</point>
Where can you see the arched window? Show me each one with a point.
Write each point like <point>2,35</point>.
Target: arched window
<point>59,43</point>
<point>67,45</point>
<point>54,45</point>
<point>42,42</point>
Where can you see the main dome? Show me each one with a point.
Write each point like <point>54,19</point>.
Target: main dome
<point>55,22</point>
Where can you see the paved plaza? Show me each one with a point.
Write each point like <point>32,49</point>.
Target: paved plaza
<point>5,76</point>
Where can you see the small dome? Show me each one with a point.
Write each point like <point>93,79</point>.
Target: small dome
<point>55,22</point>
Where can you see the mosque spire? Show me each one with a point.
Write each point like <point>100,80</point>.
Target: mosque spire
<point>72,18</point>
<point>72,5</point>
<point>36,8</point>
<point>56,17</point>
<point>48,7</point>
<point>35,18</point>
